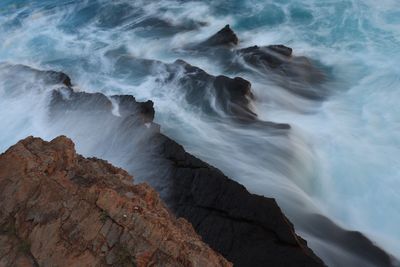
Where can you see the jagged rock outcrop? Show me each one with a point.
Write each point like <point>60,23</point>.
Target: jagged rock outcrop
<point>297,74</point>
<point>219,96</point>
<point>224,37</point>
<point>58,208</point>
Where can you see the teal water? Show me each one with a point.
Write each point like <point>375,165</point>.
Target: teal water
<point>342,158</point>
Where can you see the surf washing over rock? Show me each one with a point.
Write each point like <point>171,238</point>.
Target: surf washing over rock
<point>294,100</point>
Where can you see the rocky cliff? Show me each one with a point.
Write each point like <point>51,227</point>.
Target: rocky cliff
<point>247,229</point>
<point>58,208</point>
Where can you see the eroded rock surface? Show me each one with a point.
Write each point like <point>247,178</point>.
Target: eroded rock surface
<point>58,208</point>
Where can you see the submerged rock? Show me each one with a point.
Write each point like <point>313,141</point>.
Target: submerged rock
<point>58,208</point>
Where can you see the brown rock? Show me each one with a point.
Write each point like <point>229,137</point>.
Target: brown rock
<point>58,208</point>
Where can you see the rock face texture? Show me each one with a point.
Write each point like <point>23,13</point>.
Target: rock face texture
<point>58,208</point>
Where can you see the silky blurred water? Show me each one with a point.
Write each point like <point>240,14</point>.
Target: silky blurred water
<point>340,159</point>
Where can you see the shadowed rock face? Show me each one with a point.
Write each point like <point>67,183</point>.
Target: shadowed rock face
<point>247,229</point>
<point>58,208</point>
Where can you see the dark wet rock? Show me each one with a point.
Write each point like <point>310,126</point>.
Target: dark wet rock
<point>297,74</point>
<point>224,37</point>
<point>215,94</point>
<point>128,105</point>
<point>247,229</point>
<point>235,95</point>
<point>280,59</point>
<point>219,96</point>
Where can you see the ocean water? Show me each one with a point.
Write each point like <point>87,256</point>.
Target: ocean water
<point>341,158</point>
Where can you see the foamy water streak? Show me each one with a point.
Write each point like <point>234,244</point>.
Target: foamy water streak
<point>340,159</point>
